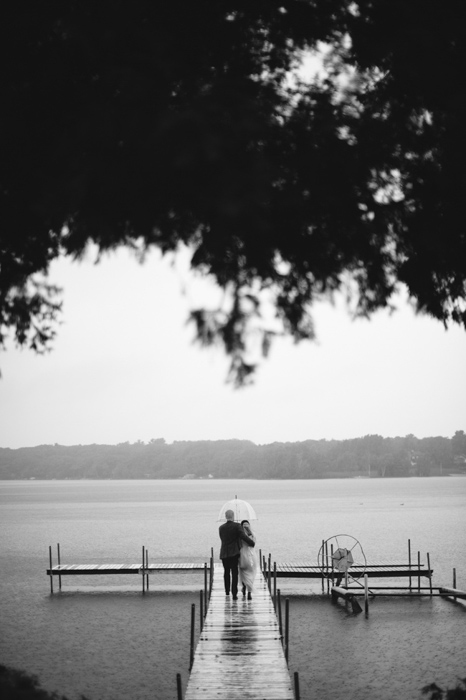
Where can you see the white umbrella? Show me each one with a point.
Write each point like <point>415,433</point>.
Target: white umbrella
<point>242,510</point>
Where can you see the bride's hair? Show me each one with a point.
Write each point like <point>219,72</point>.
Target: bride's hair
<point>246,526</point>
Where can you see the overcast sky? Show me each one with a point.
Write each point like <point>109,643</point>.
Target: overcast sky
<point>124,368</point>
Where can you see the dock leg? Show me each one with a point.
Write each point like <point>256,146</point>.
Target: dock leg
<point>323,566</point>
<point>430,574</point>
<point>205,588</point>
<point>280,623</point>
<point>296,686</point>
<point>211,575</point>
<point>201,609</point>
<point>409,562</point>
<point>331,559</point>
<point>50,565</point>
<point>211,570</point>
<point>143,575</point>
<point>287,628</point>
<point>179,692</point>
<point>59,563</point>
<point>193,622</point>
<point>366,596</point>
<point>327,567</point>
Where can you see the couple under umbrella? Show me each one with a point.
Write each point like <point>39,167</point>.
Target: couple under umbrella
<point>237,552</point>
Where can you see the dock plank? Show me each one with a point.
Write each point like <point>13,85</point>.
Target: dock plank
<point>239,655</point>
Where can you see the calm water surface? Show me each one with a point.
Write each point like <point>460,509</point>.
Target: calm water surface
<point>100,637</point>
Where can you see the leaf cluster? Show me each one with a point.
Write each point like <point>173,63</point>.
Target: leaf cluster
<point>158,123</point>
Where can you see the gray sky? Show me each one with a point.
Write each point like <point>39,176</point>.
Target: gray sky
<point>124,368</point>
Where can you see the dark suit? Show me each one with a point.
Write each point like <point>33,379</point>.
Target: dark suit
<point>231,533</point>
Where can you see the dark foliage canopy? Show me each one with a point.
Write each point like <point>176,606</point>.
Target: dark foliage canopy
<point>167,122</point>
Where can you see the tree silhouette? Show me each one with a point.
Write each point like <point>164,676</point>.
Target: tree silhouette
<point>158,123</point>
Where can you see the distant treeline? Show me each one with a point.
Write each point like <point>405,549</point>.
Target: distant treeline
<point>371,455</point>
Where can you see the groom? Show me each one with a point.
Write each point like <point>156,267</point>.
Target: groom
<point>230,534</point>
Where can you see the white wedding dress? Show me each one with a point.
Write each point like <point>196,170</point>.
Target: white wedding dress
<point>248,563</point>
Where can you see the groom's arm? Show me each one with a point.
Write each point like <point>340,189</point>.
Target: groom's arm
<point>244,537</point>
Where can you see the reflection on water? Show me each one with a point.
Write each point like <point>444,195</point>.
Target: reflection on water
<point>101,637</point>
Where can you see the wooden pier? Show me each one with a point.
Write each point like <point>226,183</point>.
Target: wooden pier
<point>123,569</point>
<point>242,653</point>
<point>302,569</point>
<point>143,569</point>
<point>373,570</point>
<point>239,654</point>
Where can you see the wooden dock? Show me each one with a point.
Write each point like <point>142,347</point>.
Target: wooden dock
<point>291,570</point>
<point>373,570</point>
<point>239,655</point>
<point>113,569</point>
<point>143,569</point>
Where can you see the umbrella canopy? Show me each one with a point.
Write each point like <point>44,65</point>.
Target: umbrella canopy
<point>242,510</point>
<point>342,559</point>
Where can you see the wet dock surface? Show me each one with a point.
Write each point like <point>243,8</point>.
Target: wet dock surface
<point>239,653</point>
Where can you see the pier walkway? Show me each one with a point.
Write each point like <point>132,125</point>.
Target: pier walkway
<point>239,655</point>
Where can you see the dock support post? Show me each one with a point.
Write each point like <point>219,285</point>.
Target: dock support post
<point>143,576</point>
<point>287,628</point>
<point>331,559</point>
<point>323,565</point>
<point>296,686</point>
<point>366,596</point>
<point>269,573</point>
<point>430,573</point>
<point>205,587</point>
<point>59,563</point>
<point>191,650</point>
<point>419,572</point>
<point>409,563</point>
<point>327,567</point>
<point>210,575</point>
<point>275,586</point>
<point>201,609</point>
<point>147,568</point>
<point>179,692</point>
<point>280,624</point>
<point>211,570</point>
<point>454,581</point>
<point>50,565</point>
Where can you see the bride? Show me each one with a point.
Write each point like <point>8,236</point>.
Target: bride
<point>247,562</point>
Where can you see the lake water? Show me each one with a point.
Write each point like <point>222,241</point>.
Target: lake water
<point>102,638</point>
